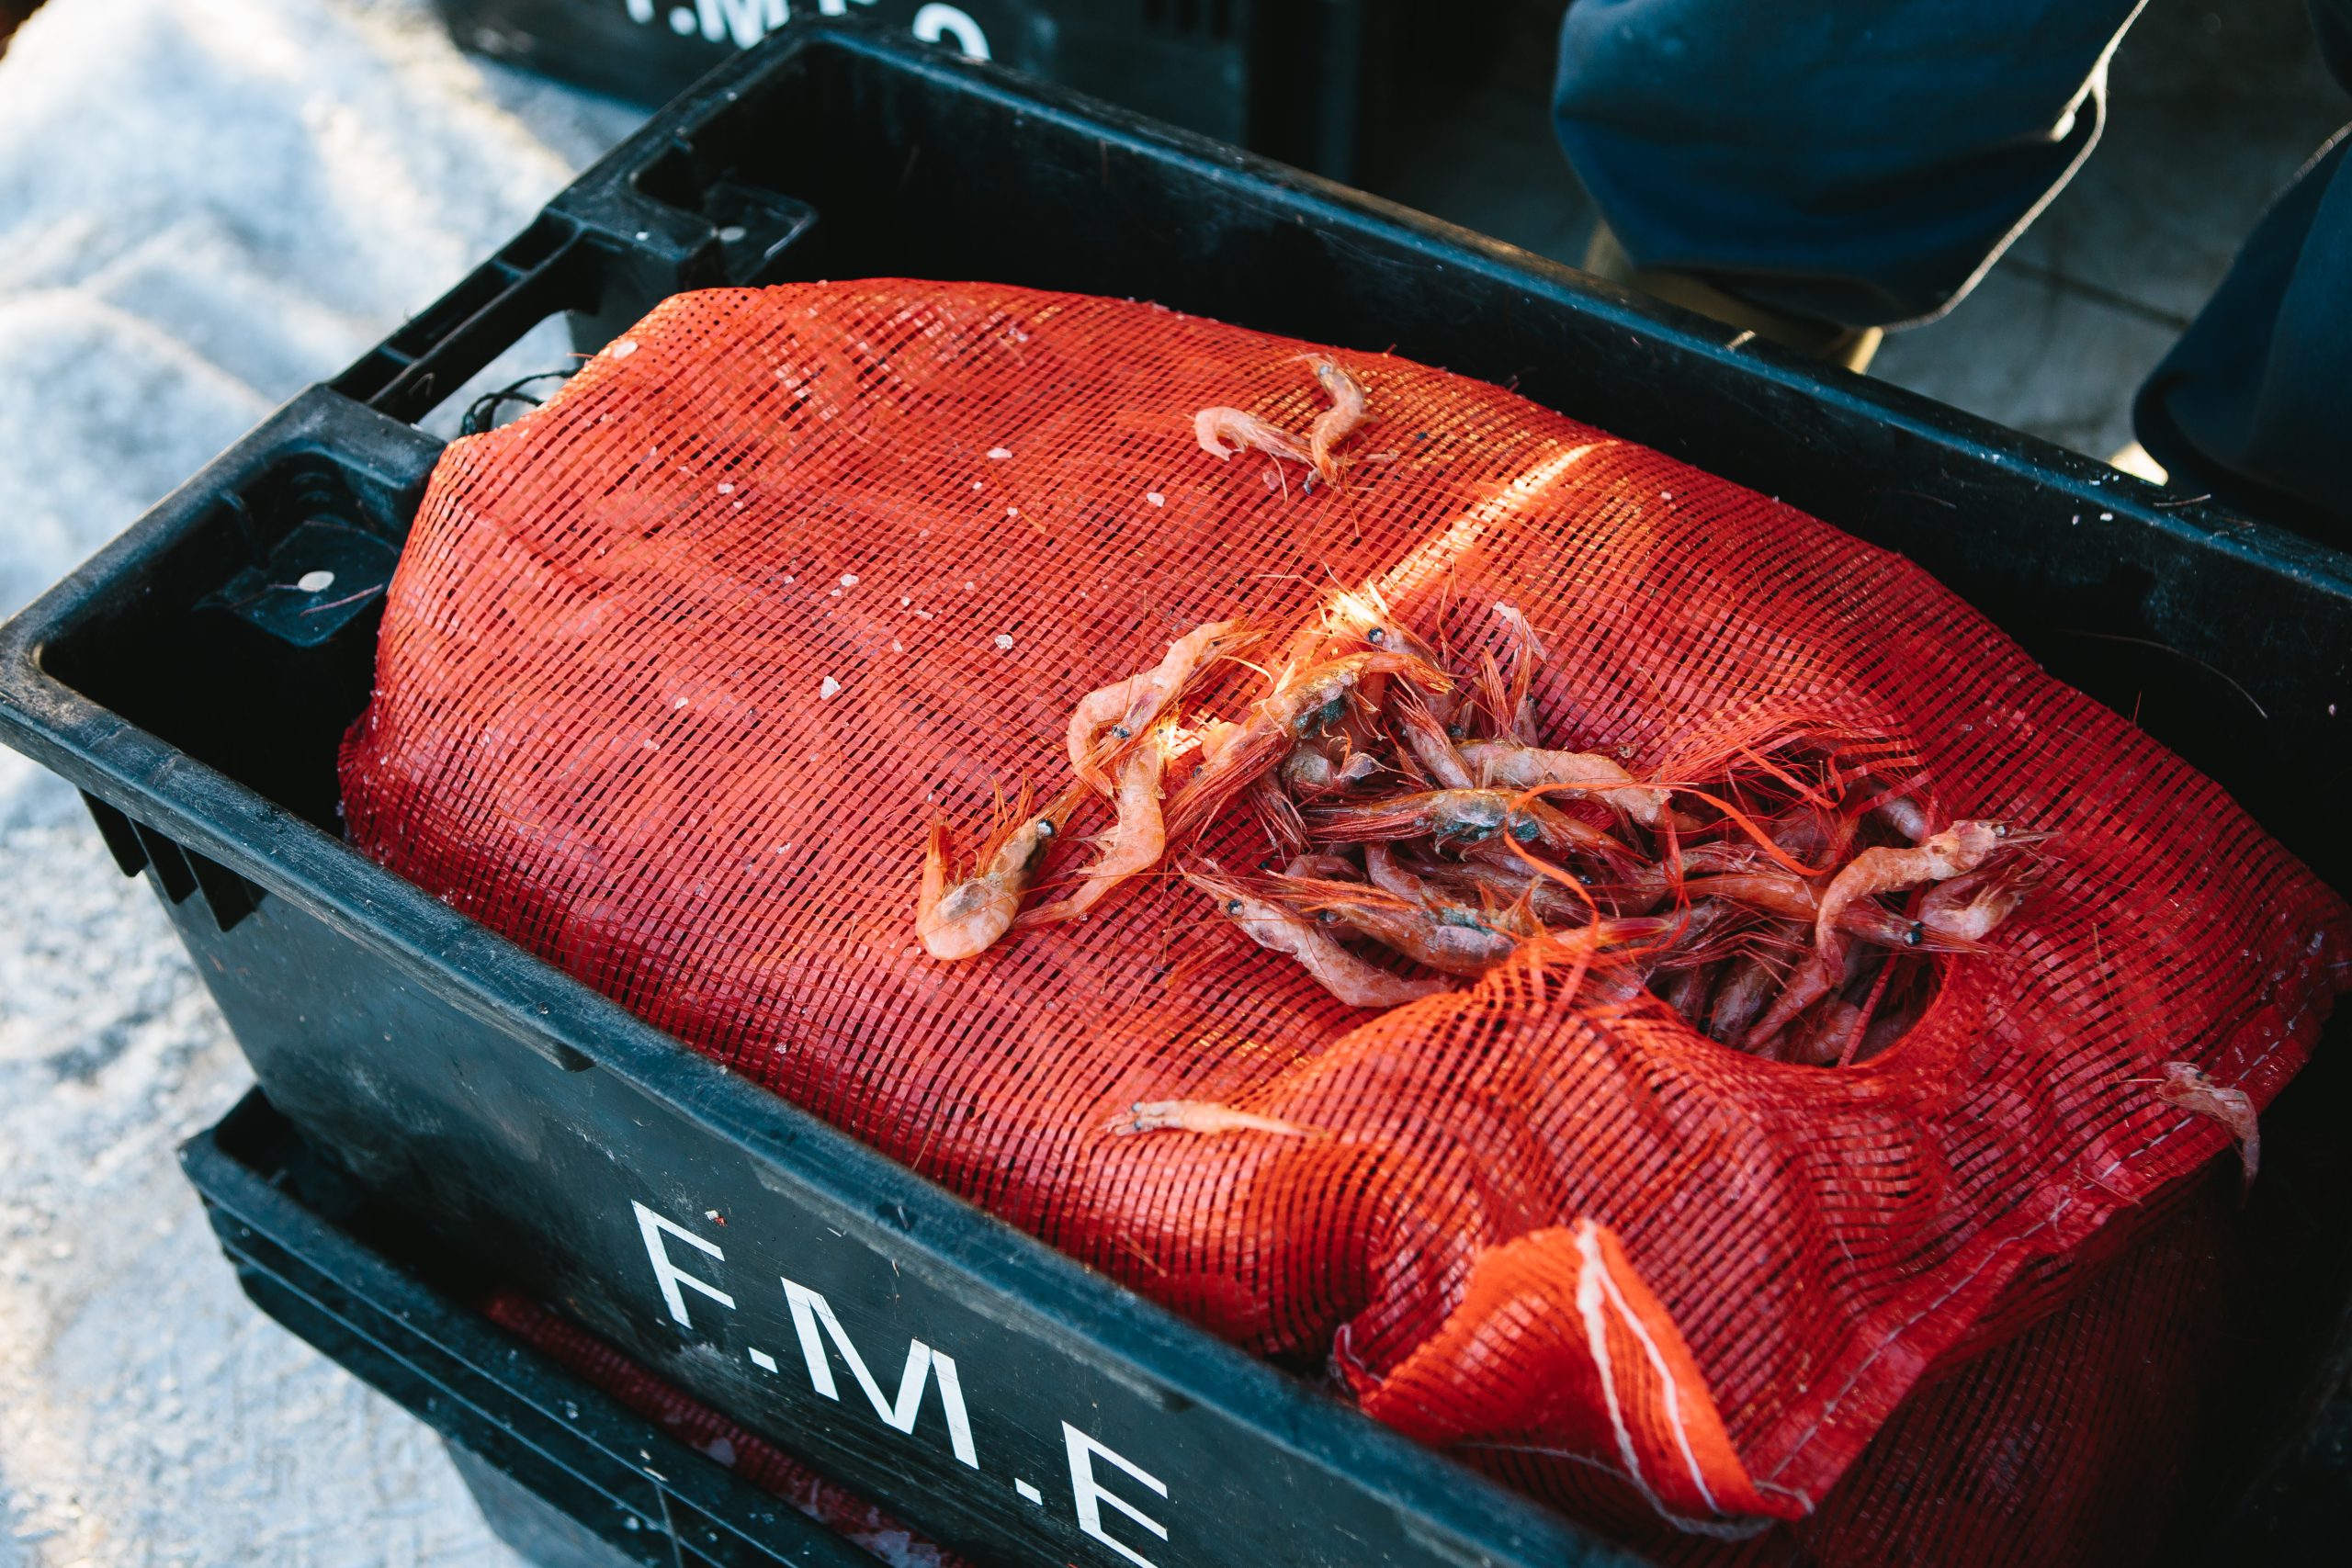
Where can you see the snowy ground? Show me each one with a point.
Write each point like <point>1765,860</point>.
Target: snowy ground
<point>204,205</point>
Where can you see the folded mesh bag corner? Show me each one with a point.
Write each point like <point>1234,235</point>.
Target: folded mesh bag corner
<point>675,670</point>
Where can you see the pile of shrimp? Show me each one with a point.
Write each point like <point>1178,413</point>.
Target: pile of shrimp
<point>1421,831</point>
<point>1791,900</point>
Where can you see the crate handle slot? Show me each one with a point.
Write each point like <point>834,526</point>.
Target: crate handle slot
<point>545,269</point>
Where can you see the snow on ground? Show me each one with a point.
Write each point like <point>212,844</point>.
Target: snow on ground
<point>204,205</point>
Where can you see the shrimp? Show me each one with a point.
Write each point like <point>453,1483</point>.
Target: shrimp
<point>1687,991</point>
<point>961,917</point>
<point>1127,708</point>
<point>1349,978</point>
<point>1791,898</point>
<point>1740,999</point>
<point>1426,738</point>
<point>1967,908</point>
<point>1450,939</point>
<point>2184,1086</point>
<point>1470,815</point>
<point>1509,882</point>
<point>1133,843</point>
<point>1366,618</point>
<point>1336,423</point>
<point>1514,764</point>
<point>1304,702</point>
<point>1203,1116</point>
<point>1214,427</point>
<point>1955,852</point>
<point>1352,618</point>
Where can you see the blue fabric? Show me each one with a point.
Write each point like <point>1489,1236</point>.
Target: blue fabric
<point>1864,160</point>
<point>2254,403</point>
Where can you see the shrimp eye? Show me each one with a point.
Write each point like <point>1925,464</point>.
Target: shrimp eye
<point>1233,905</point>
<point>1123,732</point>
<point>1376,635</point>
<point>1587,878</point>
<point>1045,828</point>
<point>1917,934</point>
<point>1327,915</point>
<point>1455,732</point>
<point>2000,829</point>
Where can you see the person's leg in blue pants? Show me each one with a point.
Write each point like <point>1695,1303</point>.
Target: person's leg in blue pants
<point>1862,162</point>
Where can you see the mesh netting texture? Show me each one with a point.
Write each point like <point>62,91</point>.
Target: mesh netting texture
<point>707,1432</point>
<point>676,671</point>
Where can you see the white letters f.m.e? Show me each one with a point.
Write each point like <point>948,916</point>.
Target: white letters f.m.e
<point>668,1275</point>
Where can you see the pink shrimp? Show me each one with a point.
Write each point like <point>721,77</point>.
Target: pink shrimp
<point>1133,843</point>
<point>1203,1116</point>
<point>1304,702</point>
<point>1791,898</point>
<point>1336,423</point>
<point>1127,708</point>
<point>1469,815</point>
<point>1324,865</point>
<point>1955,852</point>
<point>1426,738</point>
<point>1365,616</point>
<point>1741,998</point>
<point>1515,764</point>
<point>2184,1086</point>
<point>1383,867</point>
<point>1510,881</point>
<point>1968,907</point>
<point>960,918</point>
<point>1215,427</point>
<point>1449,938</point>
<point>1348,977</point>
<point>1687,991</point>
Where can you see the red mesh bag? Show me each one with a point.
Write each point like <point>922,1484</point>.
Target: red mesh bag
<point>675,670</point>
<point>707,1432</point>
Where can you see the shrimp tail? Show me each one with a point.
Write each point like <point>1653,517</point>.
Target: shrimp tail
<point>1222,432</point>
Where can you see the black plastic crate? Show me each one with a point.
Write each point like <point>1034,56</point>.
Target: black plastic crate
<point>564,1475</point>
<point>527,1123</point>
<point>1293,79</point>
